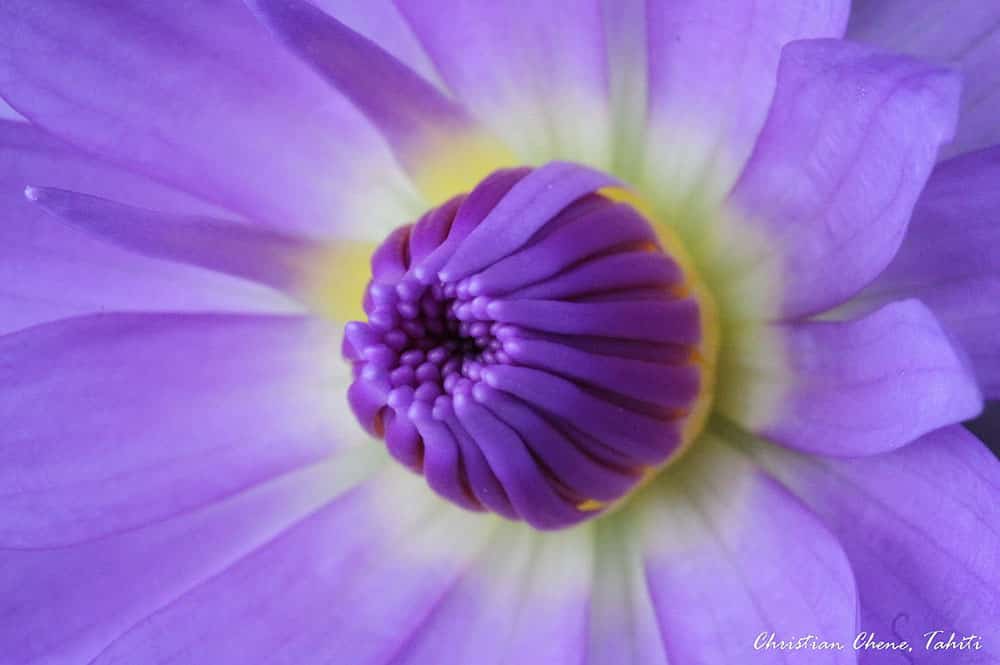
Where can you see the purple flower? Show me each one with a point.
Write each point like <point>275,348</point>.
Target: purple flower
<point>681,303</point>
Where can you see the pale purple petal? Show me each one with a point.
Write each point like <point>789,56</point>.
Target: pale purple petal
<point>921,528</point>
<point>434,139</point>
<point>950,259</point>
<point>624,629</point>
<point>414,580</point>
<point>347,586</point>
<point>534,73</point>
<point>857,387</point>
<point>409,112</point>
<point>113,421</point>
<point>382,22</point>
<point>849,142</point>
<point>7,113</point>
<point>50,271</point>
<point>253,253</point>
<point>68,603</point>
<point>729,554</point>
<point>625,39</point>
<point>201,99</point>
<point>712,71</point>
<point>961,33</point>
<point>524,600</point>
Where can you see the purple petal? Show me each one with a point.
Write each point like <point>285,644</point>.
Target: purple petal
<point>405,108</point>
<point>68,603</point>
<point>523,601</point>
<point>625,38</point>
<point>51,271</point>
<point>381,22</point>
<point>113,421</point>
<point>848,144</point>
<point>624,629</point>
<point>203,100</point>
<point>434,139</point>
<point>962,33</point>
<point>857,387</point>
<point>350,585</point>
<point>534,73</point>
<point>728,554</point>
<point>7,113</point>
<point>253,253</point>
<point>950,259</point>
<point>920,528</point>
<point>711,77</point>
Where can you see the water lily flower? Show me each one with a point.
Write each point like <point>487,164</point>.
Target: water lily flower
<point>458,332</point>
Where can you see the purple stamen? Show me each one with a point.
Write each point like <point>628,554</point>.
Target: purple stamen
<point>537,373</point>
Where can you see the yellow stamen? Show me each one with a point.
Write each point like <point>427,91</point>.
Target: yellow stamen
<point>336,278</point>
<point>456,163</point>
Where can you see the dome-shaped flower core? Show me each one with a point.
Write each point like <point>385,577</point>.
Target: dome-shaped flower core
<point>529,356</point>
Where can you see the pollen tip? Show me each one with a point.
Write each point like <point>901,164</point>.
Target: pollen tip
<point>423,275</point>
<point>481,392</point>
<point>476,286</point>
<point>400,398</point>
<point>419,412</point>
<point>480,307</point>
<point>490,377</point>
<point>443,408</point>
<point>461,401</point>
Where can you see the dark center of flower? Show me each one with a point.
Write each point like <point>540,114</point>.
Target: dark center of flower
<point>530,349</point>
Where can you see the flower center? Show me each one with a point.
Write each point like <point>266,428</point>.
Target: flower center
<point>530,348</point>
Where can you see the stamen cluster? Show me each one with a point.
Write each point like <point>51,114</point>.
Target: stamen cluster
<point>539,377</point>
